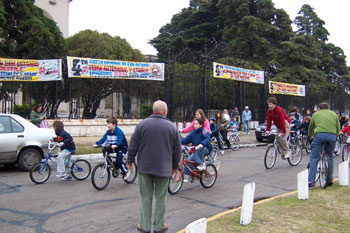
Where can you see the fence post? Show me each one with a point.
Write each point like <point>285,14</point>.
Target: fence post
<point>198,226</point>
<point>247,204</point>
<point>303,189</point>
<point>344,173</point>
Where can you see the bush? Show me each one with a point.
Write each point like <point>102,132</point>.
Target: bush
<point>146,110</point>
<point>23,110</point>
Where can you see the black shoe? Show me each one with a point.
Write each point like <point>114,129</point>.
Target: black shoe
<point>311,185</point>
<point>330,183</point>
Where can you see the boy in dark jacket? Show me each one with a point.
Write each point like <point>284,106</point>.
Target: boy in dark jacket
<point>200,138</point>
<point>67,147</point>
<point>117,143</point>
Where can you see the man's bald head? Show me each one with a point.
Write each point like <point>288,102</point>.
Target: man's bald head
<point>161,107</point>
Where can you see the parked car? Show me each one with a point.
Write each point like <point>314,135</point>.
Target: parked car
<point>22,142</point>
<point>260,132</point>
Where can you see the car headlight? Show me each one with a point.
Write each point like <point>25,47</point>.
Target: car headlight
<point>258,129</point>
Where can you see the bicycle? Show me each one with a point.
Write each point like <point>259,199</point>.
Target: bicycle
<point>207,177</point>
<point>323,171</point>
<point>80,169</point>
<point>346,150</point>
<point>101,174</point>
<point>234,139</point>
<point>272,150</point>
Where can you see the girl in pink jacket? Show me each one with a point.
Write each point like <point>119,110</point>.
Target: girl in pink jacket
<point>199,114</point>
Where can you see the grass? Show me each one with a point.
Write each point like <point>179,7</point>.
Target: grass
<point>327,210</point>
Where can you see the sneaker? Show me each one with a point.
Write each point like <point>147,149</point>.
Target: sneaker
<point>248,133</point>
<point>288,154</point>
<point>67,178</point>
<point>164,229</point>
<point>311,185</point>
<point>60,176</point>
<point>127,175</point>
<point>222,152</point>
<point>188,179</point>
<point>201,167</point>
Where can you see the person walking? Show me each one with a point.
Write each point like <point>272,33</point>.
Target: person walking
<point>282,122</point>
<point>156,143</point>
<point>246,117</point>
<point>323,130</point>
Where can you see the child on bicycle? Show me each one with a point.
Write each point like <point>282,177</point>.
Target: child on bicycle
<point>67,148</point>
<point>201,140</point>
<point>233,123</point>
<point>215,133</point>
<point>117,143</point>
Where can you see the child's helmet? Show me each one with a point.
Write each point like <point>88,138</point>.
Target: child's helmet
<point>212,119</point>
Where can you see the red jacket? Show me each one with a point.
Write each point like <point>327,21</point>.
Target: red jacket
<point>346,129</point>
<point>278,116</point>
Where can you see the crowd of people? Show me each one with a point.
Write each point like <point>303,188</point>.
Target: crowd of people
<point>322,127</point>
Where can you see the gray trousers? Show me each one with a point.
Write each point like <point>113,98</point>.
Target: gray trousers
<point>282,140</point>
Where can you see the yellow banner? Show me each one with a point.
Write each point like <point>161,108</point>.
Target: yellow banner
<point>237,73</point>
<point>30,70</point>
<point>286,88</point>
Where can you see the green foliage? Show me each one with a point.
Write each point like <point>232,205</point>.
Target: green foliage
<point>146,110</point>
<point>23,110</point>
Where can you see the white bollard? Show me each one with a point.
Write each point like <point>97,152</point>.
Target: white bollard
<point>198,226</point>
<point>247,203</point>
<point>303,188</point>
<point>344,173</point>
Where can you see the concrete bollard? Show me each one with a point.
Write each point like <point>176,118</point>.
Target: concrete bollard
<point>247,204</point>
<point>344,173</point>
<point>198,226</point>
<point>303,189</point>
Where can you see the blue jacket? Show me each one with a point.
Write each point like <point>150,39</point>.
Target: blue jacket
<point>116,137</point>
<point>214,129</point>
<point>296,123</point>
<point>63,136</point>
<point>246,116</point>
<point>198,136</point>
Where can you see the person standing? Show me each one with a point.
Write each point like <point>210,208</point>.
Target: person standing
<point>246,117</point>
<point>323,130</point>
<point>157,144</point>
<point>282,122</point>
<point>37,114</point>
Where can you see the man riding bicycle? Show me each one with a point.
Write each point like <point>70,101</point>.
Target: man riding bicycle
<point>282,122</point>
<point>323,129</point>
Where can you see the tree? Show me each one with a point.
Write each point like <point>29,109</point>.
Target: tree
<point>25,32</point>
<point>93,44</point>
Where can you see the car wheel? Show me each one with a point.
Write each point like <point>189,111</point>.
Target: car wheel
<point>259,139</point>
<point>28,158</point>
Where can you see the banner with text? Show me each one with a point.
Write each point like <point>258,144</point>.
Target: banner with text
<point>30,70</point>
<point>286,88</point>
<point>79,67</point>
<point>238,74</point>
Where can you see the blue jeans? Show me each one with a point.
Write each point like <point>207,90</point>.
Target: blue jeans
<point>246,126</point>
<point>198,157</point>
<point>119,160</point>
<point>316,150</point>
<point>217,137</point>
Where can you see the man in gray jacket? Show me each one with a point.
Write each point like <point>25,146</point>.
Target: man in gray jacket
<point>156,142</point>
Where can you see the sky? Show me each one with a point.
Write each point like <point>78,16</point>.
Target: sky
<point>138,21</point>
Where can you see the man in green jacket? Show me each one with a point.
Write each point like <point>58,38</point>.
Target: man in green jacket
<point>323,129</point>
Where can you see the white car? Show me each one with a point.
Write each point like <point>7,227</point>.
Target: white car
<point>22,142</point>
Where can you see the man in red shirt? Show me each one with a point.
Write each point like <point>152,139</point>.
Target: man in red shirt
<point>282,122</point>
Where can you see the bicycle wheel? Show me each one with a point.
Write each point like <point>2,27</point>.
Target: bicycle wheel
<point>324,172</point>
<point>80,169</point>
<point>296,156</point>
<point>208,176</point>
<point>318,171</point>
<point>100,176</point>
<point>345,153</point>
<point>235,142</point>
<point>270,157</point>
<point>308,146</point>
<point>175,182</point>
<point>337,148</point>
<point>132,176</point>
<point>40,172</point>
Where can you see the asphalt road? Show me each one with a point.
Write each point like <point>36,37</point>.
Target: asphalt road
<point>75,206</point>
